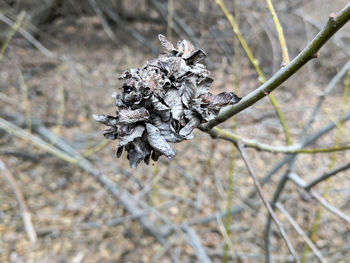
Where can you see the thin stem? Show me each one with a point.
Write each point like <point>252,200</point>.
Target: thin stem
<point>26,101</point>
<point>292,149</point>
<point>257,184</point>
<point>170,18</point>
<point>335,22</point>
<point>256,66</point>
<point>26,216</point>
<point>331,166</point>
<point>307,140</point>
<point>325,176</point>
<point>301,233</point>
<point>298,181</point>
<point>280,34</point>
<point>12,32</point>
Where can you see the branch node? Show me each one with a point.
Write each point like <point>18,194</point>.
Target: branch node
<point>316,55</point>
<point>265,92</point>
<point>283,64</point>
<point>333,17</point>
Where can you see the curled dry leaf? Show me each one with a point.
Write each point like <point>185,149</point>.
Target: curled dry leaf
<point>162,102</point>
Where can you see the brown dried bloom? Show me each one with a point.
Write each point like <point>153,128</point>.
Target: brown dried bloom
<point>162,102</point>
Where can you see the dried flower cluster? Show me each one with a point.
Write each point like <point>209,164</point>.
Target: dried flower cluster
<point>162,102</point>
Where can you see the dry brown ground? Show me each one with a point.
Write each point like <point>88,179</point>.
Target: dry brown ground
<point>70,210</point>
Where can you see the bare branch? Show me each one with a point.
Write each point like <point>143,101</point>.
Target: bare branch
<point>335,22</point>
<point>325,176</point>
<point>302,184</point>
<point>266,203</point>
<point>26,216</point>
<point>296,148</point>
<point>196,244</point>
<point>301,232</point>
<point>287,159</point>
<point>29,37</point>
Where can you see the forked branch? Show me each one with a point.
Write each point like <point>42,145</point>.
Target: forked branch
<point>335,22</point>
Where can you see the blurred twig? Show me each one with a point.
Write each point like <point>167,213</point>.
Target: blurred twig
<point>14,28</point>
<point>301,233</point>
<point>257,184</point>
<point>255,63</point>
<point>295,148</point>
<point>29,37</point>
<point>196,244</point>
<point>296,179</point>
<point>103,20</point>
<point>327,175</point>
<point>26,102</point>
<point>322,200</point>
<point>170,18</point>
<point>136,208</point>
<point>287,159</point>
<point>28,225</point>
<point>279,29</point>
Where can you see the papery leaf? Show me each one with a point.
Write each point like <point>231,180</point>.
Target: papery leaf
<point>128,116</point>
<point>196,57</point>
<point>166,130</point>
<point>137,151</point>
<point>131,136</point>
<point>173,100</point>
<point>158,142</point>
<point>193,122</point>
<point>204,86</point>
<point>111,133</point>
<point>158,106</point>
<point>200,71</point>
<point>189,88</point>
<point>202,110</point>
<point>105,119</point>
<point>165,43</point>
<point>221,100</point>
<point>132,97</point>
<point>185,48</point>
<point>119,151</point>
<point>118,100</point>
<point>174,66</point>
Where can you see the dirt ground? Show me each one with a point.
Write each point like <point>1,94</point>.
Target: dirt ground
<point>78,220</point>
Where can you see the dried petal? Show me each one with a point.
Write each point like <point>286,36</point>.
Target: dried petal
<point>221,100</point>
<point>193,122</point>
<point>131,136</point>
<point>128,116</point>
<point>110,133</point>
<point>196,57</point>
<point>165,43</point>
<point>158,142</point>
<point>173,100</point>
<point>137,152</point>
<point>185,49</point>
<point>204,86</point>
<point>105,119</point>
<point>189,88</point>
